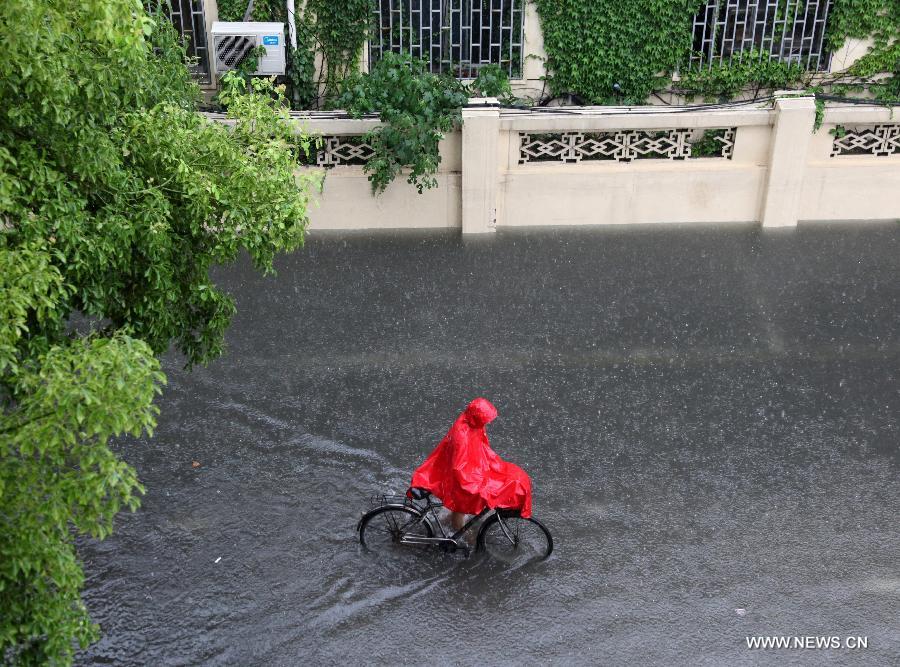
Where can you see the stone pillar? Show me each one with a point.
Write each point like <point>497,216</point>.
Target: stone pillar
<point>480,165</point>
<point>794,120</point>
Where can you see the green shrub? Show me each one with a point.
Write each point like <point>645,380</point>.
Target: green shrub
<point>417,109</point>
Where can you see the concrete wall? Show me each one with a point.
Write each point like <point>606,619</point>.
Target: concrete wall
<point>641,191</point>
<point>849,187</point>
<point>348,203</point>
<point>779,173</point>
<point>532,86</point>
<point>210,16</point>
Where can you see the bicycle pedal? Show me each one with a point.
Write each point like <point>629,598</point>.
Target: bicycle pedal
<point>464,547</point>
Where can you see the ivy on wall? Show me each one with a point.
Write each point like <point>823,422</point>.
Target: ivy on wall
<point>724,80</point>
<point>341,28</point>
<point>302,90</point>
<point>614,52</point>
<point>263,10</point>
<point>595,45</point>
<point>880,21</point>
<point>603,51</point>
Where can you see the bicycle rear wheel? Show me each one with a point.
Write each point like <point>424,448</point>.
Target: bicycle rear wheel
<point>381,528</point>
<point>522,538</point>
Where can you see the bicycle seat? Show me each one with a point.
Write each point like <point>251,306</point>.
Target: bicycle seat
<point>418,494</point>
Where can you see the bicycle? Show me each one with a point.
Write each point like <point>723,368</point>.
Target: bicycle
<point>412,522</point>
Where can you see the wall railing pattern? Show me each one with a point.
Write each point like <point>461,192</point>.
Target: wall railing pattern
<point>875,140</point>
<point>344,151</point>
<point>626,145</point>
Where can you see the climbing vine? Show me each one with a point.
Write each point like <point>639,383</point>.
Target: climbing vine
<point>879,20</point>
<point>341,29</point>
<point>614,52</point>
<point>606,51</point>
<point>724,80</point>
<point>417,108</point>
<point>302,90</point>
<point>263,10</point>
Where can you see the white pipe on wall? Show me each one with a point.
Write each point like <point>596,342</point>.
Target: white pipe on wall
<point>292,24</point>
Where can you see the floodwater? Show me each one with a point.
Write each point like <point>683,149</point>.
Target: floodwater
<point>709,416</point>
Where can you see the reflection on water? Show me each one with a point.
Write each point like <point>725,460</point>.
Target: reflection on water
<point>709,417</point>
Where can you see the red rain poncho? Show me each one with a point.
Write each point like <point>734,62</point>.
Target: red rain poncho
<point>465,473</point>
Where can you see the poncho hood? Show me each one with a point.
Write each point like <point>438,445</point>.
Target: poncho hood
<point>480,413</point>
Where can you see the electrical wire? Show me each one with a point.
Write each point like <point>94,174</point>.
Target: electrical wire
<point>643,109</point>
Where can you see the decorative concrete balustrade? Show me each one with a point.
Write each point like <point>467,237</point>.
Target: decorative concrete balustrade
<point>572,166</point>
<point>870,140</point>
<point>625,146</point>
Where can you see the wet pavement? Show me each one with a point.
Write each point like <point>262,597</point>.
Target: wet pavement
<point>709,415</point>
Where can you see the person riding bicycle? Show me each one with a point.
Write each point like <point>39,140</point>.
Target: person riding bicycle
<point>467,475</point>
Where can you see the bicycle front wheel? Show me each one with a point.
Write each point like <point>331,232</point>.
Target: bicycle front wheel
<point>382,528</point>
<point>515,538</point>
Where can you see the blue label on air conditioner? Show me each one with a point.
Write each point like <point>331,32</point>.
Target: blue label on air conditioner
<point>270,40</point>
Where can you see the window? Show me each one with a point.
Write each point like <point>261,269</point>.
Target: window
<point>187,17</point>
<point>454,36</point>
<point>792,31</point>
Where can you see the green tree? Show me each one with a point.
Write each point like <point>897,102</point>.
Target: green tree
<point>116,198</point>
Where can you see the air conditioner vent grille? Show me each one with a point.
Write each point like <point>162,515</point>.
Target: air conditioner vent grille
<point>231,50</point>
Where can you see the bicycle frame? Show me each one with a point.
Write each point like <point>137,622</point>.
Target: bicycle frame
<point>450,541</point>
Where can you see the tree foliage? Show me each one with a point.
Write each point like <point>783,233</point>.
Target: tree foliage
<point>116,198</point>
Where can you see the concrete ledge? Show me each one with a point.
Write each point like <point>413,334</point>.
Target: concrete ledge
<point>859,114</point>
<point>853,190</point>
<point>644,118</point>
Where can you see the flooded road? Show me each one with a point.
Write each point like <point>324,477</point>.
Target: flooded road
<point>709,416</point>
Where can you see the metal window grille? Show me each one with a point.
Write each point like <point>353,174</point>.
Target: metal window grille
<point>455,36</point>
<point>188,19</point>
<point>790,31</point>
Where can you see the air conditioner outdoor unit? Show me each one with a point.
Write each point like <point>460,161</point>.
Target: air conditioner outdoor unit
<point>233,41</point>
